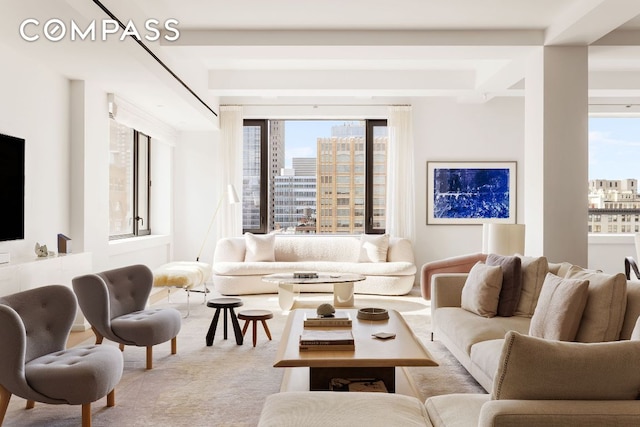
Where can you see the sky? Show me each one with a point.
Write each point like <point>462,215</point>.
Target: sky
<point>614,148</point>
<point>300,137</point>
<point>614,144</point>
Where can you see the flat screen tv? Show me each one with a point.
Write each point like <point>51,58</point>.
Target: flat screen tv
<point>11,187</point>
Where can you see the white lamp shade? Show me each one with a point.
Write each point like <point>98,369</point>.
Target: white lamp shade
<point>503,239</point>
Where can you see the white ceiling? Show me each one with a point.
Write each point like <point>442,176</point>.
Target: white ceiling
<point>334,52</point>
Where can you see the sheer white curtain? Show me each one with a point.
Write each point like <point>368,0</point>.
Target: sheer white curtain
<point>400,210</point>
<point>229,164</point>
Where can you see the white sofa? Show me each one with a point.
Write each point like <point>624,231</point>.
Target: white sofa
<point>232,275</point>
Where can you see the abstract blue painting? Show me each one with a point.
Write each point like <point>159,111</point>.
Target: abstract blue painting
<point>471,192</point>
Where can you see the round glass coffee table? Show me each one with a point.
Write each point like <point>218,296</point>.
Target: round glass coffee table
<point>289,287</point>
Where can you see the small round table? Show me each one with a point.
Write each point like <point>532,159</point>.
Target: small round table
<point>227,304</point>
<point>254,316</point>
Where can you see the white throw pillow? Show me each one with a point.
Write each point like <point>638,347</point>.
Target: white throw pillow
<point>373,247</point>
<point>259,247</point>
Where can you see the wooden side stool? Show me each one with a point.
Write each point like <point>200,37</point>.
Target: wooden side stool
<point>226,304</point>
<point>253,316</point>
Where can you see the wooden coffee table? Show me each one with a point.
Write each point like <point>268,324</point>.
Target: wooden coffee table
<point>289,287</point>
<point>372,358</point>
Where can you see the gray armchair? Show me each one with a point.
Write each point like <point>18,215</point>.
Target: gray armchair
<point>34,365</point>
<point>114,302</point>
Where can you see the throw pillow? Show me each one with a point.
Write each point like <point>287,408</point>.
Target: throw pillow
<point>606,304</point>
<point>559,309</point>
<point>534,271</point>
<point>259,247</point>
<point>373,247</point>
<point>481,290</point>
<point>533,368</point>
<point>511,282</point>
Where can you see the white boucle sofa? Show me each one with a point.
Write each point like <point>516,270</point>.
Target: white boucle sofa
<point>232,275</point>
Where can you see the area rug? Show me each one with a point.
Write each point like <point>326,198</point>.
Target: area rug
<point>226,384</point>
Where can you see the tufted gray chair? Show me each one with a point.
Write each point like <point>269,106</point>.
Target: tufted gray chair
<point>34,365</point>
<point>114,302</point>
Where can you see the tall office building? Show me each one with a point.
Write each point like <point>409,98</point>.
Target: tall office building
<point>276,163</point>
<point>295,203</point>
<point>304,166</point>
<point>341,180</point>
<point>251,178</point>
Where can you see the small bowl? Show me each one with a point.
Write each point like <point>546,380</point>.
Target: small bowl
<point>372,313</point>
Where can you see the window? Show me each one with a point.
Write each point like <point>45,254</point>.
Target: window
<point>129,182</point>
<point>314,176</point>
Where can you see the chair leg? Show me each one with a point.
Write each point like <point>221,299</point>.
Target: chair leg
<point>266,329</point>
<point>5,396</point>
<point>30,404</point>
<point>86,415</point>
<point>149,357</point>
<point>174,345</point>
<point>111,398</point>
<point>121,346</point>
<point>99,337</point>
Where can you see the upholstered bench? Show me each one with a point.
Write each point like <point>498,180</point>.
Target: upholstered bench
<point>183,274</point>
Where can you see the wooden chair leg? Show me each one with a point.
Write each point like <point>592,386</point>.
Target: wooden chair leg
<point>121,346</point>
<point>5,396</point>
<point>30,404</point>
<point>86,415</point>
<point>111,398</point>
<point>266,329</point>
<point>99,337</point>
<point>149,357</point>
<point>174,345</point>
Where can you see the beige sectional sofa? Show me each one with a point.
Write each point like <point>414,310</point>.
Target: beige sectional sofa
<point>531,381</point>
<point>240,262</point>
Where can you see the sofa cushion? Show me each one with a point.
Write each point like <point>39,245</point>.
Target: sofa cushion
<point>366,269</point>
<point>324,408</point>
<point>485,357</point>
<point>466,329</point>
<point>259,247</point>
<point>538,369</point>
<point>511,282</point>
<point>481,290</point>
<point>373,247</point>
<point>606,304</point>
<point>455,409</point>
<point>534,271</point>
<point>559,309</point>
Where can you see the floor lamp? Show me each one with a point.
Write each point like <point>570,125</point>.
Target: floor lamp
<point>232,197</point>
<point>503,239</point>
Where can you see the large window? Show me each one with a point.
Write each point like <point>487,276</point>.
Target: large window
<point>129,182</point>
<point>314,176</point>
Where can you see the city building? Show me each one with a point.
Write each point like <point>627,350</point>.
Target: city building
<point>614,206</point>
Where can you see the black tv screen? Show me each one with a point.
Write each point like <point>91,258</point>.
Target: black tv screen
<point>12,187</point>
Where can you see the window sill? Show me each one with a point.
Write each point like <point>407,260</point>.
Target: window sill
<point>131,244</point>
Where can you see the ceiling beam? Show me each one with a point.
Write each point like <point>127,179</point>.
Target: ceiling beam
<point>589,20</point>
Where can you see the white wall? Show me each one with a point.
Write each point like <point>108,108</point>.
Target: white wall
<point>448,131</point>
<point>196,195</point>
<point>34,105</point>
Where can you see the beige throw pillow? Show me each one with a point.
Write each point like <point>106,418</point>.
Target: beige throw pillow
<point>533,368</point>
<point>534,270</point>
<point>481,290</point>
<point>373,247</point>
<point>559,309</point>
<point>606,304</point>
<point>511,282</point>
<point>259,247</point>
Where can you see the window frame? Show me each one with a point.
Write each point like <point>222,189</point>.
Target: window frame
<point>264,192</point>
<point>138,218</point>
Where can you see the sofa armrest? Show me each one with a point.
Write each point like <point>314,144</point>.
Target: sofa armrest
<point>578,413</point>
<point>456,264</point>
<point>446,291</point>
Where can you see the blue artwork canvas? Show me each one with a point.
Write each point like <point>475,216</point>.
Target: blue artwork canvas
<point>471,194</point>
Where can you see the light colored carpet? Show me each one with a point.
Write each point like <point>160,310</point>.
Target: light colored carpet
<point>226,384</point>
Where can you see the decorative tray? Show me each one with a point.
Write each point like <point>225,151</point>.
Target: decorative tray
<point>372,313</point>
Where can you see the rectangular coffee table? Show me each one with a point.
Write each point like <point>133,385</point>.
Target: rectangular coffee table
<point>372,358</point>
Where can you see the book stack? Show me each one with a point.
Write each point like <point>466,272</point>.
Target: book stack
<point>339,319</point>
<point>341,340</point>
<point>305,275</point>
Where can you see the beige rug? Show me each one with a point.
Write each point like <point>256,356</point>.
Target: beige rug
<point>226,384</point>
